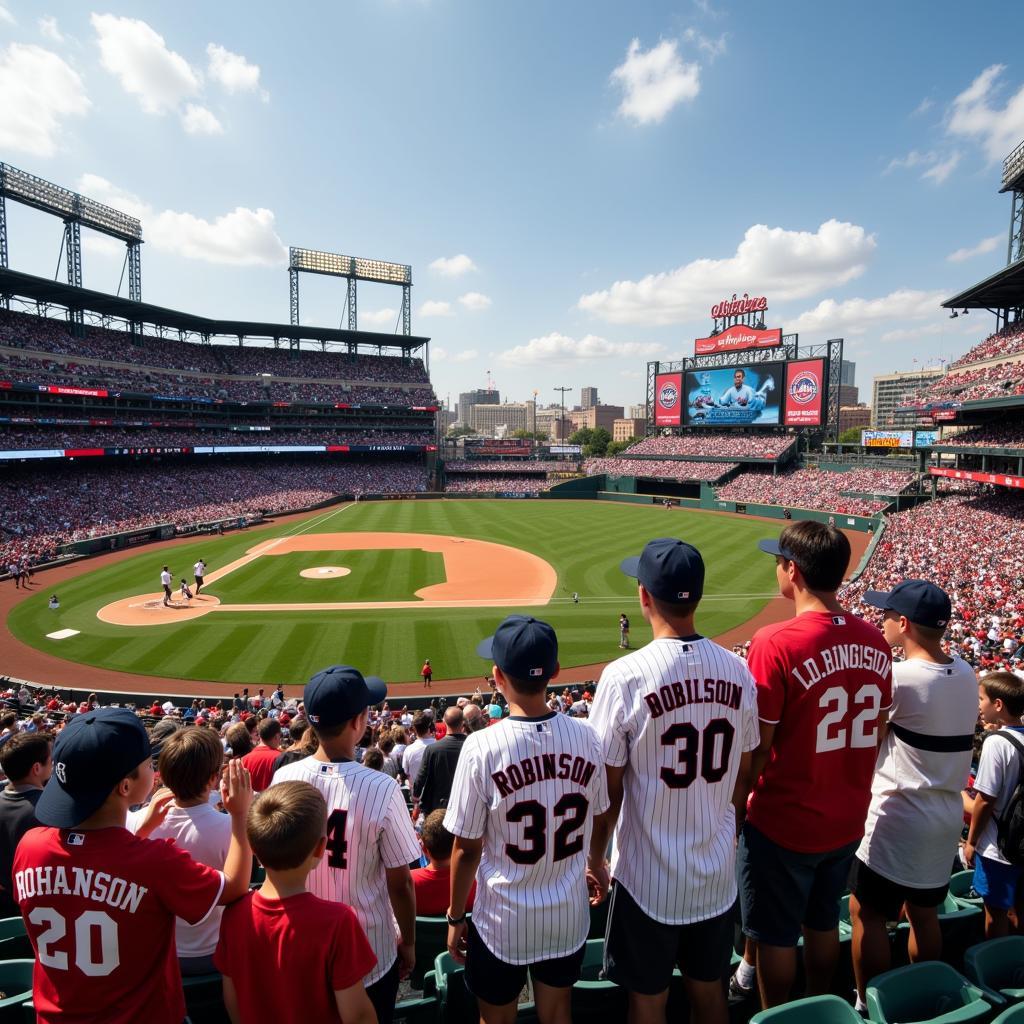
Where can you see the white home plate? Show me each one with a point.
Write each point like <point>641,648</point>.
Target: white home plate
<point>325,572</point>
<point>63,634</point>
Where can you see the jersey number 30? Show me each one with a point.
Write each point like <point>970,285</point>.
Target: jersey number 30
<point>703,747</point>
<point>572,809</point>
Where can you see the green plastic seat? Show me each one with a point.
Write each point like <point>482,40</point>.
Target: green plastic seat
<point>961,888</point>
<point>16,986</point>
<point>813,1010</point>
<point>11,927</point>
<point>431,939</point>
<point>1014,1015</point>
<point>932,992</point>
<point>593,998</point>
<point>14,941</point>
<point>997,967</point>
<point>457,1004</point>
<point>423,1010</point>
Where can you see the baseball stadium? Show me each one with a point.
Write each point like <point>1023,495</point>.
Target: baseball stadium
<point>202,516</point>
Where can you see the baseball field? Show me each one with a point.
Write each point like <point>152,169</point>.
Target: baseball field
<point>384,585</point>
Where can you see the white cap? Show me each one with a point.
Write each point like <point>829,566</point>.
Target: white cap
<point>168,705</point>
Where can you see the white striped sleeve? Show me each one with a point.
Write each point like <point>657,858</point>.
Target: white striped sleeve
<point>751,723</point>
<point>599,799</point>
<point>608,719</point>
<point>467,806</point>
<point>398,843</point>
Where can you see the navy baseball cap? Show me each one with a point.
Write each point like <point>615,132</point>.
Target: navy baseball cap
<point>523,648</point>
<point>923,603</point>
<point>773,547</point>
<point>669,569</point>
<point>339,693</point>
<point>90,757</point>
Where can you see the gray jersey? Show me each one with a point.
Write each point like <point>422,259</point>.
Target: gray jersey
<point>530,788</point>
<point>368,831</point>
<point>678,714</point>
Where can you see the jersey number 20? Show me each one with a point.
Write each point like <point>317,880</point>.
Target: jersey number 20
<point>572,809</point>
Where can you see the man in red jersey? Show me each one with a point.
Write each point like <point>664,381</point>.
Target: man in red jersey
<point>824,683</point>
<point>260,760</point>
<point>99,903</point>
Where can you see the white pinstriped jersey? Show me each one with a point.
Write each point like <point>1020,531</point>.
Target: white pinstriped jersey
<point>530,788</point>
<point>368,831</point>
<point>678,713</point>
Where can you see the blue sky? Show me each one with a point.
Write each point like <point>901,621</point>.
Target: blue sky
<point>574,183</point>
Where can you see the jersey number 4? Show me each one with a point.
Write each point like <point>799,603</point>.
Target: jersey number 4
<point>835,732</point>
<point>337,847</point>
<point>710,748</point>
<point>572,809</point>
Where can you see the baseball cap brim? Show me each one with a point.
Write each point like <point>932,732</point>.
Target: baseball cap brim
<point>59,809</point>
<point>377,688</point>
<point>772,546</point>
<point>631,566</point>
<point>877,598</point>
<point>485,649</point>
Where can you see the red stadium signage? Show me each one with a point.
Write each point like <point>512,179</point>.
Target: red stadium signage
<point>739,307</point>
<point>58,389</point>
<point>79,453</point>
<point>999,479</point>
<point>668,399</point>
<point>738,338</point>
<point>805,392</point>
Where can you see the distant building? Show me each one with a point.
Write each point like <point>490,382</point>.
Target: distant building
<point>469,399</point>
<point>854,416</point>
<point>598,416</point>
<point>624,429</point>
<point>848,395</point>
<point>503,419</point>
<point>890,391</point>
<point>847,372</point>
<point>637,412</point>
<point>588,397</point>
<point>549,421</point>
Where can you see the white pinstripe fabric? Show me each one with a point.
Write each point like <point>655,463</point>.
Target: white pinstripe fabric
<point>529,912</point>
<point>675,847</point>
<point>379,835</point>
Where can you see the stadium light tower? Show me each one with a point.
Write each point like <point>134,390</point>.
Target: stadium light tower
<point>562,428</point>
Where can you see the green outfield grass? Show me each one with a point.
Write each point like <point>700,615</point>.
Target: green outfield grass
<point>583,541</point>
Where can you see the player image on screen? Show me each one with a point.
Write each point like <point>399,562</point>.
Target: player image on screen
<point>732,396</point>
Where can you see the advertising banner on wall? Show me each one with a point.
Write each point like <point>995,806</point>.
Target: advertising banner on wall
<point>668,399</point>
<point>730,396</point>
<point>999,479</point>
<point>925,438</point>
<point>805,393</point>
<point>887,438</point>
<point>737,339</point>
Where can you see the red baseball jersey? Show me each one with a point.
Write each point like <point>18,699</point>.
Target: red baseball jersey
<point>288,957</point>
<point>822,681</point>
<point>260,764</point>
<point>99,907</point>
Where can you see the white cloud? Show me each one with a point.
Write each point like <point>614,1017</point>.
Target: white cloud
<point>453,266</point>
<point>922,108</point>
<point>6,18</point>
<point>712,47</point>
<point>39,90</point>
<point>242,237</point>
<point>233,72</point>
<point>379,317</point>
<point>474,301</point>
<point>558,348</point>
<point>145,67</point>
<point>940,171</point>
<point>854,316</point>
<point>442,355</point>
<point>985,245</point>
<point>198,120</point>
<point>911,160</point>
<point>434,308</point>
<point>973,116</point>
<point>780,263</point>
<point>48,27</point>
<point>654,81</point>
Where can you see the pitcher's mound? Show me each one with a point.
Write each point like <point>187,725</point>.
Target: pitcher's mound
<point>325,572</point>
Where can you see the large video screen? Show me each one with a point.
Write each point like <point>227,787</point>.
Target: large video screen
<point>730,396</point>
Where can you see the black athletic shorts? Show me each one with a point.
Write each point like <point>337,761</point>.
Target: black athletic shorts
<point>887,897</point>
<point>498,983</point>
<point>641,953</point>
<point>167,590</point>
<point>199,580</point>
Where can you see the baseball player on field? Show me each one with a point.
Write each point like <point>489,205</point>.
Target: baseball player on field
<point>198,572</point>
<point>522,809</point>
<point>678,723</point>
<point>370,839</point>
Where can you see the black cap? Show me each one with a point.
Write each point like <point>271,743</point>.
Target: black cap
<point>773,547</point>
<point>523,648</point>
<point>923,603</point>
<point>669,569</point>
<point>90,757</point>
<point>339,693</point>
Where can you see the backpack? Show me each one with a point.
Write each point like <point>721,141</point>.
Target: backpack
<point>1011,823</point>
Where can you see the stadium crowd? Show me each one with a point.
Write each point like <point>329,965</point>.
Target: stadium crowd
<point>820,490</point>
<point>482,483</point>
<point>45,508</point>
<point>660,469</point>
<point>1009,341</point>
<point>702,445</point>
<point>1009,436</point>
<point>1004,380</point>
<point>509,465</point>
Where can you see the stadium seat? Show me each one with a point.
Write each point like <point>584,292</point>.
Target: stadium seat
<point>456,1004</point>
<point>204,998</point>
<point>1014,1015</point>
<point>431,939</point>
<point>423,1010</point>
<point>813,1010</point>
<point>15,988</point>
<point>931,992</point>
<point>14,940</point>
<point>961,888</point>
<point>997,967</point>
<point>592,998</point>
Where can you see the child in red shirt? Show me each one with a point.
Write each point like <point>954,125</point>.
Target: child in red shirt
<point>281,939</point>
<point>433,883</point>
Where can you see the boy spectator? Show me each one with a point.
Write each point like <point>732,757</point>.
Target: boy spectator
<point>286,955</point>
<point>260,760</point>
<point>1000,705</point>
<point>190,767</point>
<point>824,683</point>
<point>26,761</point>
<point>99,902</point>
<point>916,811</point>
<point>423,726</point>
<point>433,883</point>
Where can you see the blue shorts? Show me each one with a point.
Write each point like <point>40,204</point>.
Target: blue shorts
<point>783,891</point>
<point>995,882</point>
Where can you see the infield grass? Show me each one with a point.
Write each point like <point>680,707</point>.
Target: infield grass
<point>583,541</point>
